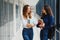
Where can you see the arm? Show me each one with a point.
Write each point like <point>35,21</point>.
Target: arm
<point>51,23</point>
<point>40,24</point>
<point>30,25</point>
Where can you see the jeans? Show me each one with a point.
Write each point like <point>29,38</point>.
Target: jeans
<point>44,34</point>
<point>27,33</point>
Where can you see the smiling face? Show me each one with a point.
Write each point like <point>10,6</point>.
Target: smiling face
<point>29,12</point>
<point>28,9</point>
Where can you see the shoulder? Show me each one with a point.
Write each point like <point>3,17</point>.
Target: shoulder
<point>51,16</point>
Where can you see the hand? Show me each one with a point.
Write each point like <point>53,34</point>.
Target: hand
<point>30,25</point>
<point>42,25</point>
<point>41,28</point>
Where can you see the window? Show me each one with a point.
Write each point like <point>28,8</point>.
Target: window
<point>18,19</point>
<point>59,11</point>
<point>6,18</point>
<point>17,11</point>
<point>39,6</point>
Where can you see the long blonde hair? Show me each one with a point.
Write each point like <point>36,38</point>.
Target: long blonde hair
<point>25,8</point>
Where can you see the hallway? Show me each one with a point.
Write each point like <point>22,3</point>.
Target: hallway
<point>11,17</point>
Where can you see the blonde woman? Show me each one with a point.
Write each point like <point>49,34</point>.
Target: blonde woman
<point>28,23</point>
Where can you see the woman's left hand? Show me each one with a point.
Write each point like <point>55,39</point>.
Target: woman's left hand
<point>42,25</point>
<point>32,25</point>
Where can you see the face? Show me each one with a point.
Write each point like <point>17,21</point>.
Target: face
<point>43,11</point>
<point>26,10</point>
<point>29,9</point>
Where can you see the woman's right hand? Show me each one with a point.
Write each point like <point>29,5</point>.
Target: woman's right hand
<point>29,25</point>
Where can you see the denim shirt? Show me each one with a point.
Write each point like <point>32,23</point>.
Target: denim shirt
<point>48,20</point>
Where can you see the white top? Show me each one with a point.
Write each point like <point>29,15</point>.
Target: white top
<point>25,21</point>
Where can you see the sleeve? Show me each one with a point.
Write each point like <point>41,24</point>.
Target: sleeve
<point>51,23</point>
<point>23,23</point>
<point>37,25</point>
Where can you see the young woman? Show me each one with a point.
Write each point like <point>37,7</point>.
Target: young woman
<point>28,23</point>
<point>47,16</point>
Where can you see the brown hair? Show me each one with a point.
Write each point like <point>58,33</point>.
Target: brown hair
<point>48,10</point>
<point>25,8</point>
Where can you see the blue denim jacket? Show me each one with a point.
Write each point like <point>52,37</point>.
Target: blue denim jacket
<point>49,21</point>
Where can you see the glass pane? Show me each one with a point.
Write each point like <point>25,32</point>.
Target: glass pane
<point>18,16</point>
<point>17,8</point>
<point>39,6</point>
<point>59,11</point>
